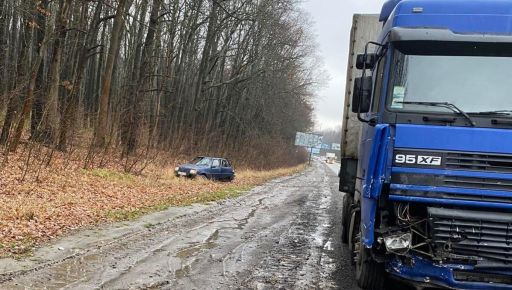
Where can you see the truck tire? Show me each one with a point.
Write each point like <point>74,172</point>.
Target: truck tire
<point>370,275</point>
<point>354,234</point>
<point>345,217</point>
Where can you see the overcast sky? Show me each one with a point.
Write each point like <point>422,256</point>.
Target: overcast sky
<point>332,21</point>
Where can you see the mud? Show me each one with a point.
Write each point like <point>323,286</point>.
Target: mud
<point>282,235</point>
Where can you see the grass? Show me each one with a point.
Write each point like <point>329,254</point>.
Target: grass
<point>21,249</point>
<point>124,215</point>
<point>204,197</point>
<point>227,193</point>
<point>149,225</point>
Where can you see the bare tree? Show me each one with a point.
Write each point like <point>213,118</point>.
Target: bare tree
<point>113,52</point>
<point>186,76</point>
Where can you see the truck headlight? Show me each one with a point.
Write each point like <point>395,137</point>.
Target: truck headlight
<point>177,169</point>
<point>193,172</point>
<point>398,243</point>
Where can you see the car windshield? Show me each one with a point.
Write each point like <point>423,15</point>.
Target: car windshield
<point>472,83</point>
<point>201,161</point>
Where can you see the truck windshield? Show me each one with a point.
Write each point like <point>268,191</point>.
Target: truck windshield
<point>472,83</point>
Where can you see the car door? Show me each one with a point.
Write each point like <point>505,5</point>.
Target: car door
<point>226,169</point>
<point>216,169</point>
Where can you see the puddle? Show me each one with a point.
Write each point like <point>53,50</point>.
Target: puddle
<point>73,270</point>
<point>245,221</point>
<point>187,253</point>
<point>183,272</point>
<point>193,250</point>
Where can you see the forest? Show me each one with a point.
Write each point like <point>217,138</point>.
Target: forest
<point>135,78</point>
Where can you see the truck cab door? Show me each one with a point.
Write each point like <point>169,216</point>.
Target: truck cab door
<point>368,129</point>
<point>374,149</point>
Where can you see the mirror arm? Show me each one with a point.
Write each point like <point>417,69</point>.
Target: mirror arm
<point>359,117</point>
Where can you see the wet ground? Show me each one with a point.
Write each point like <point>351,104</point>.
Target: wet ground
<point>283,235</point>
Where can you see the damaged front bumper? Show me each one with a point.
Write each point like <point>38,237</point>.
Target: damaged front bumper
<point>451,276</point>
<point>449,247</point>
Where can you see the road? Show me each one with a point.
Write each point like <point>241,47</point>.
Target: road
<point>282,235</point>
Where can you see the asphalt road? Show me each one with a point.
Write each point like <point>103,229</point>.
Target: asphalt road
<point>282,235</point>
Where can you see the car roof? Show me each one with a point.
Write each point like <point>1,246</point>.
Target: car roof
<point>212,157</point>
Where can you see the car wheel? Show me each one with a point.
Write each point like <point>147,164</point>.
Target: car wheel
<point>203,177</point>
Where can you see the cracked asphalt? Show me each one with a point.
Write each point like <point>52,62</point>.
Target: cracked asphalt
<point>282,235</point>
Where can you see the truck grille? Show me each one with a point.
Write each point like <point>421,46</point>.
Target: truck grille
<point>481,277</point>
<point>487,162</point>
<point>455,182</point>
<point>475,234</point>
<point>479,183</point>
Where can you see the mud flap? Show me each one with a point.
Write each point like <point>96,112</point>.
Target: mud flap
<point>348,175</point>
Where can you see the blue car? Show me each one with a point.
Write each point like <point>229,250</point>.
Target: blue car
<point>207,167</point>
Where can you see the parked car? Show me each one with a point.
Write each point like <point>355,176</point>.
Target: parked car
<point>207,167</point>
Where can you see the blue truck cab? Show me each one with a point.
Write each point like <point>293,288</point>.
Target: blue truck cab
<point>429,191</point>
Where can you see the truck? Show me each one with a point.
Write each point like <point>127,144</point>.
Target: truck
<point>426,167</point>
<point>330,158</point>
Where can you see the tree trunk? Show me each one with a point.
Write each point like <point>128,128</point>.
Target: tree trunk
<point>27,103</point>
<point>143,79</point>
<point>37,100</point>
<point>69,116</point>
<point>115,42</point>
<point>51,109</point>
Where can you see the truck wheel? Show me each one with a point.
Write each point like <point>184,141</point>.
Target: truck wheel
<point>354,234</point>
<point>369,274</point>
<point>345,217</point>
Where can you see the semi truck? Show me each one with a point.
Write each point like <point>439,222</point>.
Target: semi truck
<point>426,163</point>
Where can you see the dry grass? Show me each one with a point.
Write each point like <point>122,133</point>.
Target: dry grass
<point>39,203</point>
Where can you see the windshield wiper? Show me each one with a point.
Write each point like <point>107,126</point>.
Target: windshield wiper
<point>446,105</point>
<point>497,112</point>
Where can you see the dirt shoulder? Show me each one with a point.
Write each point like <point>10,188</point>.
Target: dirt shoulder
<point>43,205</point>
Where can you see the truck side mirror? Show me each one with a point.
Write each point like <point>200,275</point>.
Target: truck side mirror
<point>362,95</point>
<point>366,61</point>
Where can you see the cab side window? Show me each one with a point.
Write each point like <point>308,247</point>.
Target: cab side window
<point>216,163</point>
<point>379,75</point>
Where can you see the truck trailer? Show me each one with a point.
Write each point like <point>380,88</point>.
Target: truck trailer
<point>426,162</point>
